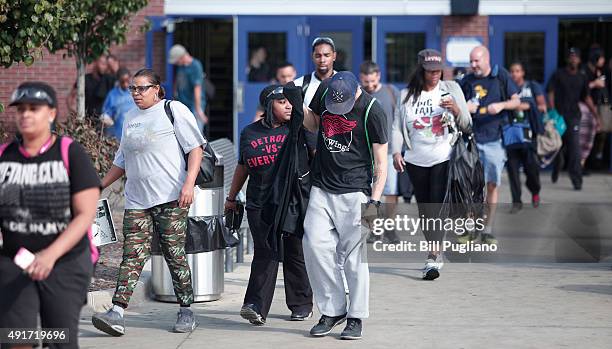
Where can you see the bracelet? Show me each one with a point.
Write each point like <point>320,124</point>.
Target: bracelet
<point>374,202</point>
<point>230,200</point>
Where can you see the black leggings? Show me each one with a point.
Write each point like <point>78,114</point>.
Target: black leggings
<point>57,300</point>
<point>527,158</point>
<point>264,269</point>
<point>429,185</point>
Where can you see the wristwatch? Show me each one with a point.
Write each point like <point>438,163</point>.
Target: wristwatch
<point>230,200</point>
<point>374,202</point>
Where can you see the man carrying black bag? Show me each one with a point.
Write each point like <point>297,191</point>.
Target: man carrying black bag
<point>273,154</point>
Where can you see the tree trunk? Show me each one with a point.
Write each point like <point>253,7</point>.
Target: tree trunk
<point>80,98</point>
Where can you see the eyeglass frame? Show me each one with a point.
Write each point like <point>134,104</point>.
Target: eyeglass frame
<point>134,89</point>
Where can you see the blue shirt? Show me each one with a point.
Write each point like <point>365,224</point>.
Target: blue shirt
<point>187,78</point>
<point>487,90</point>
<point>117,103</point>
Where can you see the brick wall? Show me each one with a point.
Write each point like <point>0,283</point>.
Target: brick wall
<point>61,73</point>
<point>463,26</point>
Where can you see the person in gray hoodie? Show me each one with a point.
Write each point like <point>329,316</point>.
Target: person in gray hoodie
<point>430,109</point>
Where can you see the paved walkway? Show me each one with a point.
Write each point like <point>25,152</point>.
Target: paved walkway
<point>472,305</point>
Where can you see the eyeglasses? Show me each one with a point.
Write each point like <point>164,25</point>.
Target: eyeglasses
<point>276,91</point>
<point>31,93</point>
<point>139,89</point>
<point>323,40</point>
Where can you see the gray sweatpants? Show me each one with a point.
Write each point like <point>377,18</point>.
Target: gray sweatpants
<point>332,240</point>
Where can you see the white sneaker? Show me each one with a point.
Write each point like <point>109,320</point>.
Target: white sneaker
<point>431,271</point>
<point>437,263</point>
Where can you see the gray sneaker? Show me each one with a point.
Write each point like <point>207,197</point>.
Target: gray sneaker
<point>110,322</point>
<point>185,321</point>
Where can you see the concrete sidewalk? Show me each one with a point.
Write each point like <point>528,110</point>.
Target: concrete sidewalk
<point>472,305</point>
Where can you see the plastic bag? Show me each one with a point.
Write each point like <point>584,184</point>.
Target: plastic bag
<point>557,118</point>
<point>465,187</point>
<point>204,234</point>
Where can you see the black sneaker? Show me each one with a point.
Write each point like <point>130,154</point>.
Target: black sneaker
<point>516,207</point>
<point>352,329</point>
<point>390,237</point>
<point>326,325</point>
<point>301,315</point>
<point>249,312</point>
<point>554,177</point>
<point>372,238</point>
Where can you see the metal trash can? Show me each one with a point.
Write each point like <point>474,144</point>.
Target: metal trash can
<point>205,246</point>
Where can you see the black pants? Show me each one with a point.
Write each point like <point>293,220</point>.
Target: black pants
<point>429,185</point>
<point>264,269</point>
<point>526,157</point>
<point>58,299</point>
<point>570,152</point>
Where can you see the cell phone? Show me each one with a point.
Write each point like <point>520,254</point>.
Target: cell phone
<point>24,258</point>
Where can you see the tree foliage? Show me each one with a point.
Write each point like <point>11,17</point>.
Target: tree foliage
<point>85,29</point>
<point>26,27</point>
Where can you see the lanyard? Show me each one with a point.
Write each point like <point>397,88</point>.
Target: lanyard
<point>42,149</point>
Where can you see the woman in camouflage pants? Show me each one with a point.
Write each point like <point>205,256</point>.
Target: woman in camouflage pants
<point>158,193</point>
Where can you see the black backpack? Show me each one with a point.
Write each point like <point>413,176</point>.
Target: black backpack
<point>207,166</point>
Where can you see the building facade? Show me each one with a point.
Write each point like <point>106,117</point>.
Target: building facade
<point>228,35</point>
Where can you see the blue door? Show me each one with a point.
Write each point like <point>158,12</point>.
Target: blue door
<point>347,33</point>
<point>263,43</point>
<point>532,40</point>
<point>398,40</point>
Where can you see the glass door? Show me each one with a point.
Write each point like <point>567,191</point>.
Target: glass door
<point>397,42</point>
<point>263,42</point>
<point>531,40</point>
<point>347,33</point>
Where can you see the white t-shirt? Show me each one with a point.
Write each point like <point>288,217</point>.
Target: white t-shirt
<point>430,140</point>
<point>150,153</point>
<point>312,87</point>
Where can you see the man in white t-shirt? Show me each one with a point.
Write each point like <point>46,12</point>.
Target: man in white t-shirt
<point>323,57</point>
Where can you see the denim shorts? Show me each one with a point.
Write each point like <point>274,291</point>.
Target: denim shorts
<point>493,157</point>
<point>391,185</point>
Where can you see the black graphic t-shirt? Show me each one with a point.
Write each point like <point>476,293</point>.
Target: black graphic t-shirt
<point>259,147</point>
<point>343,163</point>
<point>35,197</point>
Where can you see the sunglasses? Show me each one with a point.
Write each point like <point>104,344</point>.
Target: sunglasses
<point>276,91</point>
<point>139,89</point>
<point>31,93</point>
<point>323,40</point>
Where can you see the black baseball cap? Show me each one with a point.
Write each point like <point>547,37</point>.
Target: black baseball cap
<point>573,51</point>
<point>323,40</point>
<point>430,59</point>
<point>275,91</point>
<point>34,92</point>
<point>340,96</point>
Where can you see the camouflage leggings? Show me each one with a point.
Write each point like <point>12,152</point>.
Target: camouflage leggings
<point>171,222</point>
